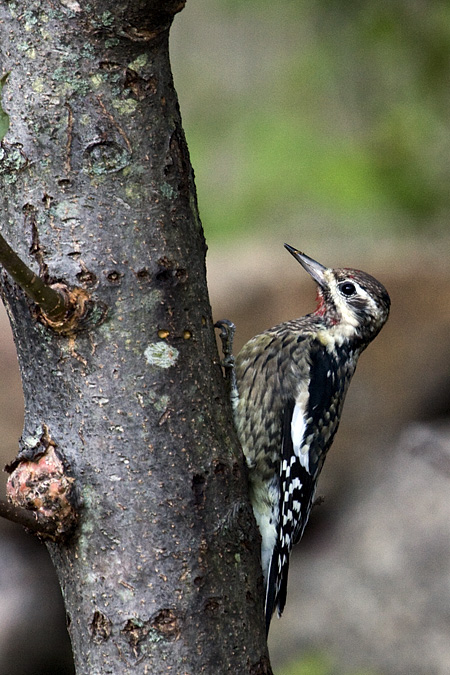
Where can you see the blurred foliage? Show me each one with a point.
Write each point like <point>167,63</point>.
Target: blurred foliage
<point>315,665</point>
<point>311,665</point>
<point>333,109</point>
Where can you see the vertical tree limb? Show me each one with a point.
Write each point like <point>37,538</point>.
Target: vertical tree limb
<point>162,574</point>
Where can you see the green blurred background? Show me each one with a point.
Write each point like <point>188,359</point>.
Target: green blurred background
<point>327,112</point>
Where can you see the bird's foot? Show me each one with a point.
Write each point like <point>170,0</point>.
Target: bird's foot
<point>227,330</point>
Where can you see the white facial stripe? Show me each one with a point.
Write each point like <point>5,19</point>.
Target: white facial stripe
<point>344,310</point>
<point>372,304</point>
<point>348,314</point>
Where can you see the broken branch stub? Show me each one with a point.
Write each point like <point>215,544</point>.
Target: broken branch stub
<point>63,309</point>
<point>41,482</point>
<point>81,312</point>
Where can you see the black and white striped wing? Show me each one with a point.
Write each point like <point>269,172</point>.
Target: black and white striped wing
<point>297,487</point>
<point>309,424</point>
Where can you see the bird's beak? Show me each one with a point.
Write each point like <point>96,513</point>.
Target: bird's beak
<point>315,269</point>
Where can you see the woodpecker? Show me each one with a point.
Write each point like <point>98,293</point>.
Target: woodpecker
<point>288,388</point>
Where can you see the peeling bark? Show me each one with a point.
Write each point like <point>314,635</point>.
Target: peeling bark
<point>97,192</point>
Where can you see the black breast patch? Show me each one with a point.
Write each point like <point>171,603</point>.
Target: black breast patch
<point>330,375</point>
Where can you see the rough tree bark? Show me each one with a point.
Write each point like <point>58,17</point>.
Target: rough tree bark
<point>127,435</point>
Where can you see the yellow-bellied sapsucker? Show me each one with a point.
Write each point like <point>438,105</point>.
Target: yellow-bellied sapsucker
<point>288,389</point>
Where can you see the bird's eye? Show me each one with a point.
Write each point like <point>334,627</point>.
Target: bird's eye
<point>347,288</point>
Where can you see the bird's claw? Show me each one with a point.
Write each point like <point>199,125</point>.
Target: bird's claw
<point>227,331</point>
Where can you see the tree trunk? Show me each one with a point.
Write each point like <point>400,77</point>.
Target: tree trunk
<point>128,409</point>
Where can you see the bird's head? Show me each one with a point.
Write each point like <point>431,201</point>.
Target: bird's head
<point>348,298</point>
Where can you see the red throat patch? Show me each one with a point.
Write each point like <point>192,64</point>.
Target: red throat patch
<point>320,310</point>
